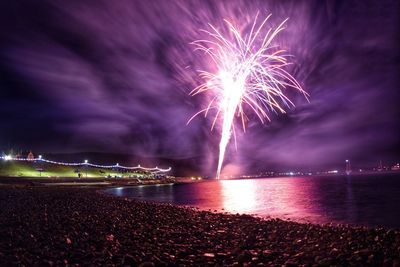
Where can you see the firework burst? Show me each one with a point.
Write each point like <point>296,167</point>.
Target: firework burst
<point>250,72</point>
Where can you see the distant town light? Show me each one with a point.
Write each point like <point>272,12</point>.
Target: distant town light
<point>86,161</point>
<point>7,157</point>
<point>347,160</point>
<point>40,156</point>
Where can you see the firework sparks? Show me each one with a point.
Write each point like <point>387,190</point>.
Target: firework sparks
<point>250,72</point>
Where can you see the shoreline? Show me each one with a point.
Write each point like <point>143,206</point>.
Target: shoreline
<point>73,181</point>
<point>102,184</point>
<point>219,211</point>
<point>67,225</point>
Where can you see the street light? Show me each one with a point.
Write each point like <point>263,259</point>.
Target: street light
<point>39,169</point>
<point>86,163</point>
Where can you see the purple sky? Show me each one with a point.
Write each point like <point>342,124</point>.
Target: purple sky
<point>114,76</point>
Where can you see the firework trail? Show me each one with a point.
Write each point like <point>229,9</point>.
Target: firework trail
<point>250,72</point>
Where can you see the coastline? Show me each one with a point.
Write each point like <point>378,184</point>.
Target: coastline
<point>68,225</point>
<point>69,181</point>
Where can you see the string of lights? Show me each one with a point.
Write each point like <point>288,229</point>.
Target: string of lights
<point>86,163</point>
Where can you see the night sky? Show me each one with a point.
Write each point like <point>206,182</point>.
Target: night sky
<point>115,77</point>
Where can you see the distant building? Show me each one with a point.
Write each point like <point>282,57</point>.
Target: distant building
<point>18,155</point>
<point>380,166</point>
<point>30,156</point>
<point>396,167</point>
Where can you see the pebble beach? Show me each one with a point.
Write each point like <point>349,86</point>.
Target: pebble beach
<point>82,226</point>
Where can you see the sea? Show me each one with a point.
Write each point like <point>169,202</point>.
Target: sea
<point>367,200</point>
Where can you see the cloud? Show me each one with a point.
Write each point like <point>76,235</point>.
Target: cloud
<point>115,76</point>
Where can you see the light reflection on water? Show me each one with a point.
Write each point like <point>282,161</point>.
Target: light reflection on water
<point>368,200</point>
<point>239,195</point>
<point>293,198</point>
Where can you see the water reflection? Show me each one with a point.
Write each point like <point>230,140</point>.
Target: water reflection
<point>370,200</point>
<point>295,197</point>
<point>239,195</point>
<point>351,208</point>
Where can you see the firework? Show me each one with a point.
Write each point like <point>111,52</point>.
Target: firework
<point>250,76</point>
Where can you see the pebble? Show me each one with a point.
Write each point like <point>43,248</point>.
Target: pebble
<point>85,227</point>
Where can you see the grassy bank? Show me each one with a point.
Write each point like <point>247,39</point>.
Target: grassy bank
<point>41,169</point>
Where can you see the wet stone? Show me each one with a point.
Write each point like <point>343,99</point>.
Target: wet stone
<point>147,264</point>
<point>86,227</point>
<point>129,260</point>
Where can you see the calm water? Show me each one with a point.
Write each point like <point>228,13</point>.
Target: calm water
<point>365,200</point>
